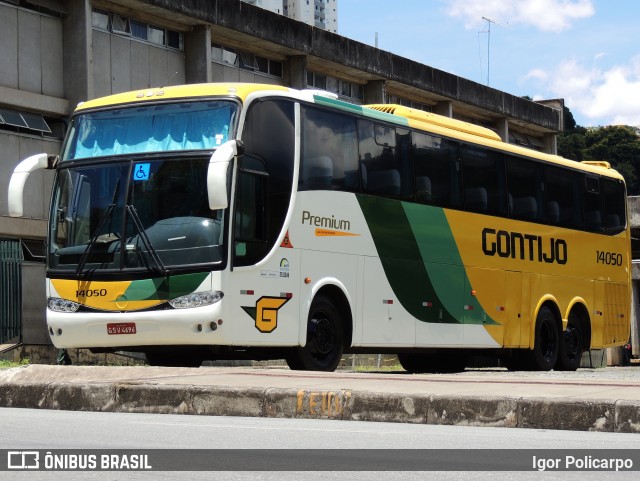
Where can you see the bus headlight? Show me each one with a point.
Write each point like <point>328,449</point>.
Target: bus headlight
<point>196,299</point>
<point>62,305</point>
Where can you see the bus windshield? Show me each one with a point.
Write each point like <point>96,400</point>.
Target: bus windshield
<point>150,128</point>
<point>148,215</point>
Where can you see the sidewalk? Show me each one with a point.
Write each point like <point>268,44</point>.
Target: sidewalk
<point>598,400</point>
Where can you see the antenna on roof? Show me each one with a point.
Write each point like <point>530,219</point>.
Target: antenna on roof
<point>488,32</point>
<point>169,79</point>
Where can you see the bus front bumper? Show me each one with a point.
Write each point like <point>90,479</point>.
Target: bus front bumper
<point>192,326</point>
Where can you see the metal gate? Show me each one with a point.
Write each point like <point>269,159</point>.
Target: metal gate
<point>10,291</point>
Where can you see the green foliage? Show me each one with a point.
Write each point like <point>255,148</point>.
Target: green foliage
<point>617,144</point>
<point>620,146</point>
<point>22,362</point>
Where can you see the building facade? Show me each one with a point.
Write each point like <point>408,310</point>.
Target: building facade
<point>57,53</point>
<point>318,13</point>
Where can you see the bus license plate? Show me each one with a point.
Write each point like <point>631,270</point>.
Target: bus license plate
<point>121,328</point>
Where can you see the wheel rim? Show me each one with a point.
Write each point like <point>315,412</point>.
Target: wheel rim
<point>322,338</point>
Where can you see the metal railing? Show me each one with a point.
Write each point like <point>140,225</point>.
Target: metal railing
<point>10,291</point>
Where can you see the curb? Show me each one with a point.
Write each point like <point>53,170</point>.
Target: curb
<point>537,413</point>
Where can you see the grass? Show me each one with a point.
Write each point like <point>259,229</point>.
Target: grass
<point>6,364</point>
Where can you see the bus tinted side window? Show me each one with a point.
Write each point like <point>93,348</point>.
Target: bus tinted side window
<point>384,166</point>
<point>484,183</point>
<point>269,139</point>
<point>525,182</point>
<point>592,206</point>
<point>329,157</point>
<point>437,170</point>
<point>613,195</point>
<point>564,194</point>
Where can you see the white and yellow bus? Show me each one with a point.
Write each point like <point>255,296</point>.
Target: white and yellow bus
<point>238,220</point>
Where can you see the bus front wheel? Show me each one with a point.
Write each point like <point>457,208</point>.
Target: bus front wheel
<point>325,339</point>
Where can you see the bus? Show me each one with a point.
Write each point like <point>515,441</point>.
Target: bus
<point>230,220</point>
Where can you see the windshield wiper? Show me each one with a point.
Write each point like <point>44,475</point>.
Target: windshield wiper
<point>131,210</point>
<point>93,241</point>
<point>96,234</point>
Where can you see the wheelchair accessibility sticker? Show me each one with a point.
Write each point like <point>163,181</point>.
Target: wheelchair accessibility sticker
<point>141,172</point>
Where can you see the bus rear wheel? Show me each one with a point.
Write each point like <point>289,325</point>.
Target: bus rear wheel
<point>547,341</point>
<point>325,339</point>
<point>571,347</point>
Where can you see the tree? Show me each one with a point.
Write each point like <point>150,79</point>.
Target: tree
<point>620,146</point>
<point>571,141</point>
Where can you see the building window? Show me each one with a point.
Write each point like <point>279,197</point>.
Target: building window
<point>246,60</point>
<point>121,25</point>
<point>24,122</point>
<point>316,80</point>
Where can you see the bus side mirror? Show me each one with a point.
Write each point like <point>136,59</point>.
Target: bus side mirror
<point>217,173</point>
<point>19,178</point>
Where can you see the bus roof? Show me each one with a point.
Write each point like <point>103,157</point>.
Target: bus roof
<point>239,90</point>
<point>423,121</point>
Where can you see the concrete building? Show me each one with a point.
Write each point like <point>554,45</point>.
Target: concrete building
<point>318,13</point>
<point>56,53</point>
<point>275,6</point>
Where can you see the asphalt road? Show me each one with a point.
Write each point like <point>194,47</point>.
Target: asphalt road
<point>50,430</point>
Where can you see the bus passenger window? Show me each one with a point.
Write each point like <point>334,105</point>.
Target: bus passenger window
<point>483,177</point>
<point>564,193</point>
<point>592,205</point>
<point>329,158</point>
<point>384,166</point>
<point>437,171</point>
<point>613,195</point>
<point>525,181</point>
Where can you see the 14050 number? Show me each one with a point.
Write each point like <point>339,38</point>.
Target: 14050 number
<point>91,293</point>
<point>609,258</point>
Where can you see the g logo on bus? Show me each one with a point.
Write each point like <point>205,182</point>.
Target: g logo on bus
<point>265,313</point>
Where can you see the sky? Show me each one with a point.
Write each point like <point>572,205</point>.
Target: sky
<point>586,52</point>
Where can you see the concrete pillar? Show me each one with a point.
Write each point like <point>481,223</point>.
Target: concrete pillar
<point>297,71</point>
<point>375,92</point>
<point>502,126</point>
<point>197,55</point>
<point>78,54</point>
<point>444,108</point>
<point>550,144</point>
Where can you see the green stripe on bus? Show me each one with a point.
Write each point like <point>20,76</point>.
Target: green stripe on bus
<point>357,109</point>
<point>402,260</point>
<point>442,259</point>
<point>423,273</point>
<point>164,288</point>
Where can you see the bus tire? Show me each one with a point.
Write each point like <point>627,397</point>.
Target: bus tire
<point>325,339</point>
<point>571,345</point>
<point>544,355</point>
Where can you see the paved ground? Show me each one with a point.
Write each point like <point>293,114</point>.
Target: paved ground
<point>590,399</point>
